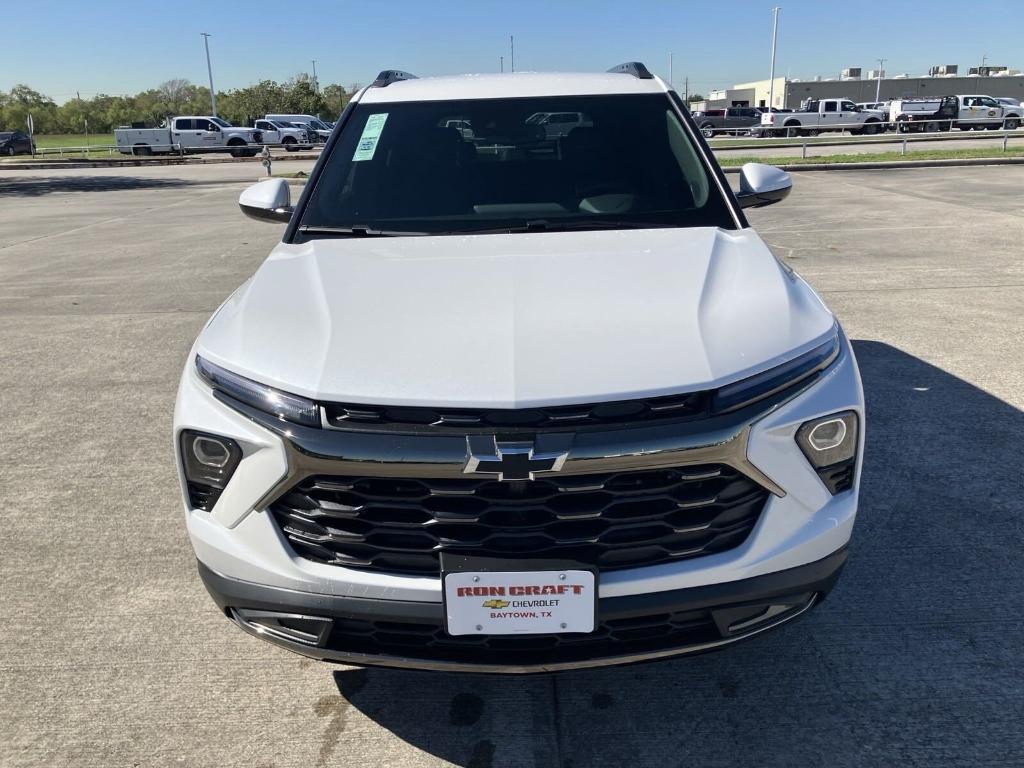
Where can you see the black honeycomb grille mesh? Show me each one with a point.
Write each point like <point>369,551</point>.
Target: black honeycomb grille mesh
<point>614,520</point>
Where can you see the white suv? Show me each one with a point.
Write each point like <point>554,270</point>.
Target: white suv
<point>515,402</point>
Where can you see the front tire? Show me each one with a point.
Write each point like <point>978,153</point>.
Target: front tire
<point>1012,123</point>
<point>870,128</point>
<point>289,144</point>
<point>707,131</point>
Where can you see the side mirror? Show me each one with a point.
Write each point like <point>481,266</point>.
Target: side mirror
<point>762,185</point>
<point>269,200</point>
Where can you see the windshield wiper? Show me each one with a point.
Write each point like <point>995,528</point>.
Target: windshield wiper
<point>544,225</point>
<point>356,231</point>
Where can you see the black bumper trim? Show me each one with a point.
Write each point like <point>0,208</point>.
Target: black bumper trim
<point>814,579</point>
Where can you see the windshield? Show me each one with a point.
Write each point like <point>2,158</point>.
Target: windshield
<point>222,123</point>
<point>318,126</point>
<point>450,167</point>
<point>281,124</point>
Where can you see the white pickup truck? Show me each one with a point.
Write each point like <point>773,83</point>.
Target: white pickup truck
<point>188,134</point>
<point>979,111</point>
<point>820,115</point>
<point>291,136</point>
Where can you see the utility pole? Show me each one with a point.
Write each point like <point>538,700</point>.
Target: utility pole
<point>316,85</point>
<point>686,90</point>
<point>512,51</point>
<point>771,79</point>
<point>501,63</point>
<point>670,69</point>
<point>209,71</point>
<point>878,87</point>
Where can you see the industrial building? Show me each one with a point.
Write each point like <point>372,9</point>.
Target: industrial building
<point>850,84</point>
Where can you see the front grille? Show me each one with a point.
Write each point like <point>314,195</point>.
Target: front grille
<point>611,637</point>
<point>664,408</point>
<point>615,520</point>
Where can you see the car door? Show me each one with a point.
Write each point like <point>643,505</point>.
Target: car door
<point>848,114</point>
<point>970,110</point>
<point>991,110</point>
<point>829,117</point>
<point>185,133</point>
<point>271,135</point>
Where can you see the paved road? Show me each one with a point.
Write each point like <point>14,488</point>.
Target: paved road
<point>111,654</point>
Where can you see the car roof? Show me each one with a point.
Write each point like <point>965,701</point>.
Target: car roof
<point>511,85</point>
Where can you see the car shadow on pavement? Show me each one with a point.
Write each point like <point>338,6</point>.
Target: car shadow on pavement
<point>915,658</point>
<point>37,186</point>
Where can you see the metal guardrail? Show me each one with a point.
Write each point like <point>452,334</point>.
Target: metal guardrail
<point>167,149</point>
<point>803,138</point>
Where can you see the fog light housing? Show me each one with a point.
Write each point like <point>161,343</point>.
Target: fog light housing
<point>208,462</point>
<point>830,445</point>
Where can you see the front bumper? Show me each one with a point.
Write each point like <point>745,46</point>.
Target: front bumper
<point>405,634</point>
<point>248,565</point>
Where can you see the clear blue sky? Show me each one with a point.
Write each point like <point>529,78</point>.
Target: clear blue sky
<point>93,47</point>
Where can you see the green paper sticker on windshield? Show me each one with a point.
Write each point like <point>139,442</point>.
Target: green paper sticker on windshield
<point>371,134</point>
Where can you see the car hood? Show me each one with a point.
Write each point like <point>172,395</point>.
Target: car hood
<point>515,320</point>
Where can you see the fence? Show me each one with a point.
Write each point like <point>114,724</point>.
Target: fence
<point>907,132</point>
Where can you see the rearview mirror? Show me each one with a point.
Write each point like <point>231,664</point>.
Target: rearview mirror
<point>269,200</point>
<point>762,185</point>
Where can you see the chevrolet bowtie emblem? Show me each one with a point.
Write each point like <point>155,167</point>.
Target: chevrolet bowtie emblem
<point>511,460</point>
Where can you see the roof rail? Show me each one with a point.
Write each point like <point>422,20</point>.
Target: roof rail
<point>634,68</point>
<point>389,76</point>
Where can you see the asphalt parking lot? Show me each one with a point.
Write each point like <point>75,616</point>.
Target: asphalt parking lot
<point>111,653</point>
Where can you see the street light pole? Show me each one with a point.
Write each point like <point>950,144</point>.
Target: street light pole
<point>209,71</point>
<point>316,85</point>
<point>771,80</point>
<point>878,88</point>
<point>512,52</point>
<point>670,69</point>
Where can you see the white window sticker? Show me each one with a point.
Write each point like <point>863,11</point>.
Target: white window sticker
<point>371,135</point>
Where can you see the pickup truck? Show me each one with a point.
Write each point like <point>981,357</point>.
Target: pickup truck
<point>928,115</point>
<point>725,121</point>
<point>292,137</point>
<point>978,111</point>
<point>188,134</point>
<point>820,115</point>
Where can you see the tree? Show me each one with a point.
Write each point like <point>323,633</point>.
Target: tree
<point>175,94</point>
<point>335,99</point>
<point>695,97</point>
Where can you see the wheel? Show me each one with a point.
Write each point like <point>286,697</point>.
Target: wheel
<point>10,151</point>
<point>932,126</point>
<point>289,144</point>
<point>870,127</point>
<point>903,127</point>
<point>143,150</point>
<point>1012,123</point>
<point>236,147</point>
<point>707,131</point>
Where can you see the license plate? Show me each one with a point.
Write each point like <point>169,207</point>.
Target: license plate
<point>520,602</point>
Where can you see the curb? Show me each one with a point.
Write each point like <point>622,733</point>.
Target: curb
<point>877,166</point>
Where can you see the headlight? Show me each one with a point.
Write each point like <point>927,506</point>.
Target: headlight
<point>750,390</point>
<point>208,462</point>
<point>298,410</point>
<point>830,445</point>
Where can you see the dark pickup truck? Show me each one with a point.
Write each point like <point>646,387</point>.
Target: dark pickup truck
<point>731,120</point>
